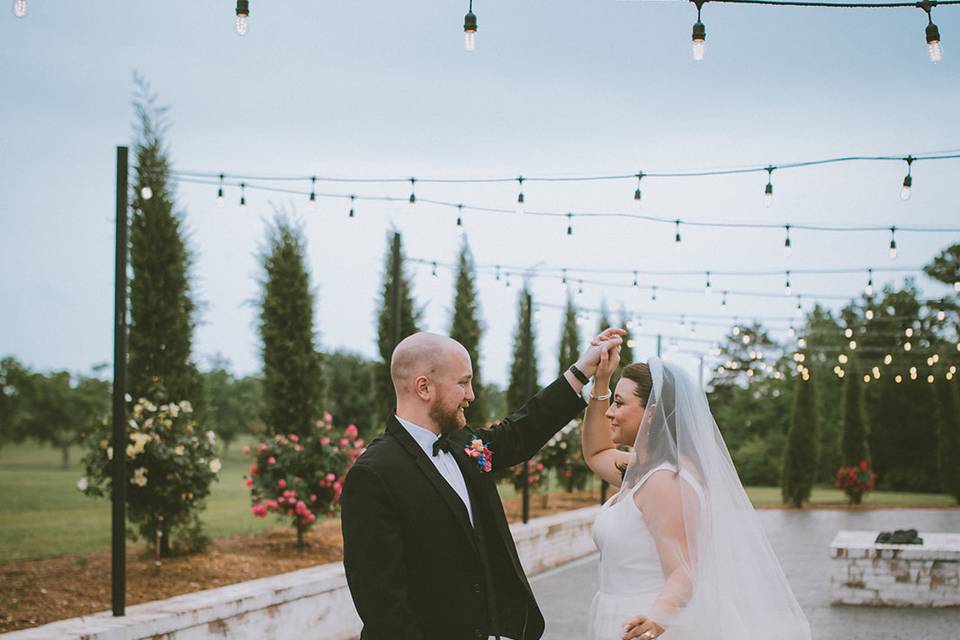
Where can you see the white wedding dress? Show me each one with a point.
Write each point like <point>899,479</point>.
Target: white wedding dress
<point>631,576</point>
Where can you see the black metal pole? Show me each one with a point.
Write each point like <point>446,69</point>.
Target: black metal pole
<point>528,355</point>
<point>119,484</point>
<point>396,290</point>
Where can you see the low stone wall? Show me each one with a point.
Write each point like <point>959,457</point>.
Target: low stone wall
<point>896,575</point>
<point>312,603</point>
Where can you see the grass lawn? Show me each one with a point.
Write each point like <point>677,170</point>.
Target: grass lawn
<point>46,515</point>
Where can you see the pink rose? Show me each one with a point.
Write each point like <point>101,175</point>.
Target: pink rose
<point>301,507</point>
<point>253,469</point>
<point>294,437</point>
<point>282,483</point>
<point>248,482</point>
<point>344,442</point>
<point>246,450</point>
<point>359,443</point>
<point>311,518</point>
<point>298,447</point>
<point>337,486</point>
<point>331,477</point>
<point>313,497</point>
<point>327,417</point>
<point>351,431</point>
<point>262,447</point>
<point>324,440</point>
<point>271,460</point>
<point>273,505</point>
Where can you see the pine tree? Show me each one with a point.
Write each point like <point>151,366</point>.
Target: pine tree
<point>161,304</point>
<point>466,328</point>
<point>570,337</point>
<point>404,322</point>
<point>800,455</point>
<point>948,454</point>
<point>524,346</point>
<point>292,379</point>
<point>854,441</point>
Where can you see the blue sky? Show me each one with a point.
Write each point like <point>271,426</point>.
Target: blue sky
<point>385,89</point>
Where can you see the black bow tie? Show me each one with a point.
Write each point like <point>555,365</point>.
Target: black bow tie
<point>443,444</point>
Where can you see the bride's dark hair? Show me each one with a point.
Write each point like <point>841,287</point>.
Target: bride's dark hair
<point>639,374</point>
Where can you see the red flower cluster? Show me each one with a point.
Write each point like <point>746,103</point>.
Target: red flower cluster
<point>535,477</point>
<point>856,481</point>
<point>301,475</point>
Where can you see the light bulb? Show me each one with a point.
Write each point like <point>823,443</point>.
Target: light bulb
<point>146,192</point>
<point>520,198</point>
<point>243,14</point>
<point>956,286</point>
<point>470,31</point>
<point>907,186</point>
<point>768,191</point>
<point>787,247</point>
<point>20,8</point>
<point>699,40</point>
<point>869,314</point>
<point>933,43</point>
<point>220,200</point>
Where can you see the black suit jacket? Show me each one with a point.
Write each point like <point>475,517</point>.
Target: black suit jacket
<point>416,568</point>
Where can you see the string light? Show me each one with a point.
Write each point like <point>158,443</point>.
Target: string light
<point>868,314</point>
<point>243,194</point>
<point>907,180</point>
<point>460,218</point>
<point>676,238</point>
<point>799,306</point>
<point>470,30</point>
<point>934,50</point>
<point>887,359</point>
<point>220,199</point>
<point>893,243</point>
<point>520,204</point>
<point>413,195</point>
<point>653,298</point>
<point>787,290</point>
<point>434,271</point>
<point>243,15</point>
<point>899,378</point>
<point>709,288</point>
<point>699,35</point>
<point>313,190</point>
<point>723,301</point>
<point>636,194</point>
<point>353,199</point>
<point>787,249</point>
<point>635,282</point>
<point>146,192</point>
<point>569,224</point>
<point>498,273</point>
<point>768,191</point>
<point>868,290</point>
<point>20,8</point>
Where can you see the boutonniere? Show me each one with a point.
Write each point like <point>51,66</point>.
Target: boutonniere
<point>481,453</point>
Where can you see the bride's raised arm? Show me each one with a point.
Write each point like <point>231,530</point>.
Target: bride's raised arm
<point>599,451</point>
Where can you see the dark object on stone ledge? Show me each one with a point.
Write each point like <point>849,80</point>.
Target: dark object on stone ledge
<point>899,536</point>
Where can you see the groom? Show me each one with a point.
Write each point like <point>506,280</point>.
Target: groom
<point>426,546</point>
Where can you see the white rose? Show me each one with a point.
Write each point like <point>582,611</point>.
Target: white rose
<point>82,484</point>
<point>186,406</point>
<point>109,453</point>
<point>215,465</point>
<point>211,437</point>
<point>174,410</point>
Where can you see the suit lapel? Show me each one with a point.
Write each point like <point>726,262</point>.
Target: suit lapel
<point>450,497</point>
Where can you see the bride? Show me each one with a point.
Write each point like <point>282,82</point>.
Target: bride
<point>682,552</point>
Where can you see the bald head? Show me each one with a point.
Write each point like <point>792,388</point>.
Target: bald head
<point>423,354</point>
<point>433,377</point>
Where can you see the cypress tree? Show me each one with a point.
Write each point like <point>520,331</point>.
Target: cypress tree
<point>854,440</point>
<point>397,291</point>
<point>626,349</point>
<point>948,452</point>
<point>292,379</point>
<point>466,328</point>
<point>524,344</point>
<point>161,304</point>
<point>800,455</point>
<point>569,337</point>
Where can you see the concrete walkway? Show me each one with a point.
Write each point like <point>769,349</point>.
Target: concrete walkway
<point>802,542</point>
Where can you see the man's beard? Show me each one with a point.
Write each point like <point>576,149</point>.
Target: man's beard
<point>449,420</point>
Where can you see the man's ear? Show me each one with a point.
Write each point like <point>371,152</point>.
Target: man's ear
<point>422,388</point>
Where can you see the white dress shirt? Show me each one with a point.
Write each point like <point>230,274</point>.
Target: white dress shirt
<point>443,461</point>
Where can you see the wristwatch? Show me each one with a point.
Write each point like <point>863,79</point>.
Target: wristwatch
<point>579,375</point>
